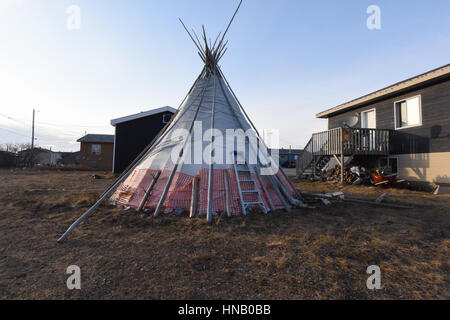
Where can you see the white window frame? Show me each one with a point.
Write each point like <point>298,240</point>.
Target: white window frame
<point>92,149</point>
<point>420,112</point>
<point>367,111</point>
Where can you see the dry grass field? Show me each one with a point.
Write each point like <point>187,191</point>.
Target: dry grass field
<point>319,253</point>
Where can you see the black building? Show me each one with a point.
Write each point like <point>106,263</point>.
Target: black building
<point>135,132</point>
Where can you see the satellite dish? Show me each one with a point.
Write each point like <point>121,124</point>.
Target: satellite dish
<point>349,122</point>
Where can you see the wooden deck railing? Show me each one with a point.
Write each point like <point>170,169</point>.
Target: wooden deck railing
<point>306,158</point>
<point>352,141</point>
<point>346,141</point>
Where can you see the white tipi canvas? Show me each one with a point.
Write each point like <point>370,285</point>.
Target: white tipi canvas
<point>209,110</point>
<point>209,160</point>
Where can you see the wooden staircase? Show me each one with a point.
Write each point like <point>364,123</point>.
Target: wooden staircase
<point>313,165</point>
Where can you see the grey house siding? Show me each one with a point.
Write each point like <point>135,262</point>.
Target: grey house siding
<point>432,136</point>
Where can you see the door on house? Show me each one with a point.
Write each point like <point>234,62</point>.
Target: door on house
<point>369,121</point>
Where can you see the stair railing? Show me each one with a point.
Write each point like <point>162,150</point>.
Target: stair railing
<point>305,158</point>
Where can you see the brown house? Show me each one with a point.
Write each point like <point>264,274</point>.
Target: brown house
<point>96,151</point>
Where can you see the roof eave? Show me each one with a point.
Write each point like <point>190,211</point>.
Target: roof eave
<point>438,74</point>
<point>94,141</point>
<point>136,116</point>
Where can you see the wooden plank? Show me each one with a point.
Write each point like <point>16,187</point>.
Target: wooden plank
<point>337,159</point>
<point>381,198</point>
<point>342,156</point>
<point>194,198</point>
<point>209,210</point>
<point>261,181</point>
<point>149,190</point>
<point>383,204</point>
<point>274,183</point>
<point>227,194</point>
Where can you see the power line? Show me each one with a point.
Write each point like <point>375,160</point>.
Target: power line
<point>61,129</point>
<point>50,132</point>
<point>13,119</point>
<point>16,133</point>
<point>74,125</point>
<point>61,125</point>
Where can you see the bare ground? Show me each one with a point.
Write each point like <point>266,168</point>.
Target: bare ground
<point>320,253</point>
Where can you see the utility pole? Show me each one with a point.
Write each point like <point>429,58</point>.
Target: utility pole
<point>32,141</point>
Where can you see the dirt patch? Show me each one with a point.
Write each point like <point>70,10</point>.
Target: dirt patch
<point>320,253</point>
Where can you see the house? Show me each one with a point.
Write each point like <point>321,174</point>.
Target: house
<point>69,158</point>
<point>404,128</point>
<point>135,132</point>
<point>96,151</point>
<point>46,157</point>
<point>41,157</point>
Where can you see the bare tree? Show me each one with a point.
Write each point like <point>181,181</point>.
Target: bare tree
<point>24,146</point>
<point>12,147</point>
<point>15,147</point>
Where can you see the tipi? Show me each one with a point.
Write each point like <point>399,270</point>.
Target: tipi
<point>208,160</point>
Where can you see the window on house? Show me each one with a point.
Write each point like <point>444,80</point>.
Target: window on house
<point>369,119</point>
<point>389,164</point>
<point>96,149</point>
<point>408,113</point>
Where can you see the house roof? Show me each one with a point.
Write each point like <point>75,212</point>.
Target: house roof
<point>442,72</point>
<point>115,122</point>
<point>98,138</point>
<point>35,150</point>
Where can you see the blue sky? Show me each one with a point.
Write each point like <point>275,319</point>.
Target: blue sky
<point>287,60</point>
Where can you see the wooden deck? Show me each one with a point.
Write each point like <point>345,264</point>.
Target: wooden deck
<point>344,142</point>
